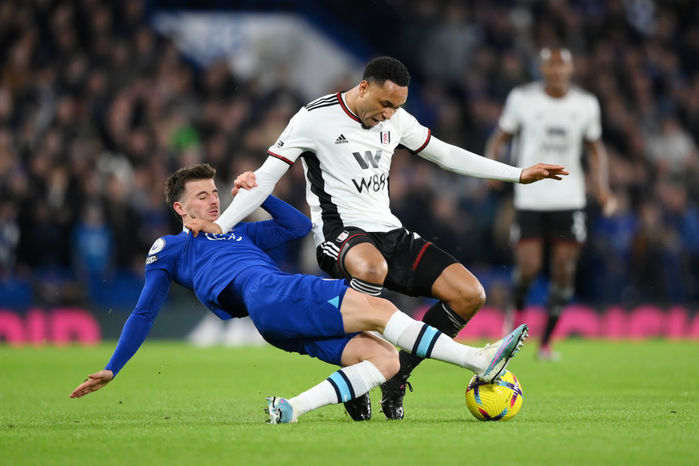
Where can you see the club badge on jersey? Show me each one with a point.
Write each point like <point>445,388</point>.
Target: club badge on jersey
<point>229,236</point>
<point>385,137</point>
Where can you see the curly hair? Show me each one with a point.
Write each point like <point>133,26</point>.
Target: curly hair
<point>382,69</point>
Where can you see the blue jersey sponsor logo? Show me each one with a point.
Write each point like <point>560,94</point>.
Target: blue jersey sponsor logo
<point>230,236</point>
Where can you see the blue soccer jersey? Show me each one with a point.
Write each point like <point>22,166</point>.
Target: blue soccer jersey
<point>281,305</point>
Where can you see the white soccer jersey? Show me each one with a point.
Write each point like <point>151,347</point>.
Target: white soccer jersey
<point>551,130</point>
<point>346,166</point>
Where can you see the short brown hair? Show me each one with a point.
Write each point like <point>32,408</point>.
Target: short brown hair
<point>174,186</point>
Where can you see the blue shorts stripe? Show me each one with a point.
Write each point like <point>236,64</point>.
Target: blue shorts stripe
<point>426,341</point>
<point>341,386</point>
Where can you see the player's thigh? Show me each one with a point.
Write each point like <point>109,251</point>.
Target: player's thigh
<point>353,242</point>
<point>528,256</point>
<point>527,234</point>
<point>362,312</point>
<point>365,261</point>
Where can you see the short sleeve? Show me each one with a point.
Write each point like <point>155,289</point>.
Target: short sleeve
<point>296,139</point>
<point>414,136</point>
<point>509,120</point>
<point>593,131</point>
<point>163,254</point>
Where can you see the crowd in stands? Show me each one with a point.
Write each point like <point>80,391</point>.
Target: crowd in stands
<point>96,110</point>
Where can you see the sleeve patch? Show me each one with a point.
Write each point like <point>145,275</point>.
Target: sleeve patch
<point>157,246</point>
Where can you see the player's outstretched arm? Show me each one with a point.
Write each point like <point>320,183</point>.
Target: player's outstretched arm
<point>463,162</point>
<point>541,171</point>
<point>93,383</point>
<point>133,334</point>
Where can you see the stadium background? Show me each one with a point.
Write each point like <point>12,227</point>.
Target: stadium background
<point>100,101</point>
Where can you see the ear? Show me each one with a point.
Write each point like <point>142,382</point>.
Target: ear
<point>178,208</point>
<point>363,87</point>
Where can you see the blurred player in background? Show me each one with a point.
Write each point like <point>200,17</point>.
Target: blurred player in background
<point>234,277</point>
<point>346,141</point>
<point>551,120</point>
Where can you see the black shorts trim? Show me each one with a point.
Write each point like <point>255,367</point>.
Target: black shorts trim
<point>568,226</point>
<point>414,264</point>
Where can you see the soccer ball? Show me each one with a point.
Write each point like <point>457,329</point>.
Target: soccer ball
<point>497,401</point>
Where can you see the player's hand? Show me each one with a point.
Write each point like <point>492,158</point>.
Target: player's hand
<point>244,181</point>
<point>93,383</point>
<point>541,171</point>
<point>195,225</point>
<point>609,203</point>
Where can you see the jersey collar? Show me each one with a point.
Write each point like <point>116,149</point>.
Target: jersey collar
<point>343,104</point>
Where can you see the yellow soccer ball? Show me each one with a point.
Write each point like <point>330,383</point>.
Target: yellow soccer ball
<point>497,401</point>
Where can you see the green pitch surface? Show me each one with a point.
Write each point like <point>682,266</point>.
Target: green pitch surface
<point>603,403</point>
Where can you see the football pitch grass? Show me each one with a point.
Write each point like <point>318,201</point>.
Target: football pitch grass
<point>603,403</point>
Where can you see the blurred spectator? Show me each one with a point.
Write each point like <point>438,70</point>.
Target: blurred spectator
<point>92,246</point>
<point>96,108</point>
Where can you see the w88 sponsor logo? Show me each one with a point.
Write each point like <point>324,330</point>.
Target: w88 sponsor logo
<point>373,183</point>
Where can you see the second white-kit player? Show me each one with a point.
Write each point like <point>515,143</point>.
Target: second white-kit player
<point>346,141</point>
<point>551,120</point>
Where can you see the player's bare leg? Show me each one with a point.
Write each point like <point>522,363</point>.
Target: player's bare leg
<point>564,260</point>
<point>367,269</point>
<point>367,361</point>
<point>460,296</point>
<point>528,259</point>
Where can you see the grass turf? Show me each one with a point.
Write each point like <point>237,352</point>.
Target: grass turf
<point>603,403</point>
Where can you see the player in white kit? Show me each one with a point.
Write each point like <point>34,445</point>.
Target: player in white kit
<point>551,120</point>
<point>345,142</point>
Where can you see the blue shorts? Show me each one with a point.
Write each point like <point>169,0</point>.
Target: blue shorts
<point>298,313</point>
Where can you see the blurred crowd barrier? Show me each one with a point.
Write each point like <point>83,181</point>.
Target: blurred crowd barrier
<point>62,326</point>
<point>100,101</point>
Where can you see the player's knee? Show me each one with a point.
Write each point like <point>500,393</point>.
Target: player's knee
<point>372,312</point>
<point>468,299</point>
<point>381,310</point>
<point>370,270</point>
<point>529,269</point>
<point>387,362</point>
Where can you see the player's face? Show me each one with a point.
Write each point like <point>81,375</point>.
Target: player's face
<point>379,102</point>
<point>557,70</point>
<point>200,200</point>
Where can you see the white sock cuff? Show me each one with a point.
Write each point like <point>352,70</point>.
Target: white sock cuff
<point>396,325</point>
<point>371,374</point>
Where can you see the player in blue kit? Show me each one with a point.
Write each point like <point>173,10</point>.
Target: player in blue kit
<point>234,277</point>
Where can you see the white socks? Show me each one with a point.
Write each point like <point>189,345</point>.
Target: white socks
<point>424,341</point>
<point>347,383</point>
<point>354,381</point>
